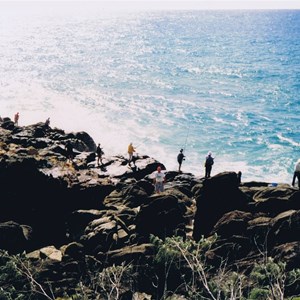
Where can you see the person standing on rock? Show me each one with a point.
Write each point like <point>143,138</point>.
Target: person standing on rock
<point>159,180</point>
<point>130,151</point>
<point>180,158</point>
<point>297,174</point>
<point>99,153</point>
<point>69,151</point>
<point>16,118</point>
<point>209,161</point>
<point>47,122</point>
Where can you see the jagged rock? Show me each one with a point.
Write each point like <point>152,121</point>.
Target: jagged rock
<point>106,233</point>
<point>87,141</point>
<point>130,253</point>
<point>51,252</point>
<point>147,186</point>
<point>285,228</point>
<point>7,124</point>
<point>282,192</point>
<point>167,212</point>
<point>289,253</point>
<point>104,215</point>
<point>219,195</point>
<point>134,196</point>
<point>229,249</point>
<point>73,250</point>
<point>274,200</point>
<point>79,219</point>
<point>258,229</point>
<point>232,223</point>
<point>59,277</point>
<point>14,237</point>
<point>129,195</point>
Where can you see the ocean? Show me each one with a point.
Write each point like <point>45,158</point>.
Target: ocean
<point>225,81</point>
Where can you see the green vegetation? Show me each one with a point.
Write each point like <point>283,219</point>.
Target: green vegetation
<point>14,285</point>
<point>179,267</point>
<point>268,280</point>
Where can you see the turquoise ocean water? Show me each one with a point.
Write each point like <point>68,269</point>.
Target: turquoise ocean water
<point>220,81</point>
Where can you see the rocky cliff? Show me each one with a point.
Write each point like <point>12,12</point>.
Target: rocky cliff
<point>64,213</point>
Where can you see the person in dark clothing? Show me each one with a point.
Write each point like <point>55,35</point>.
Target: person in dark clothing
<point>47,122</point>
<point>69,151</point>
<point>297,174</point>
<point>239,177</point>
<point>180,158</point>
<point>209,161</point>
<point>99,153</point>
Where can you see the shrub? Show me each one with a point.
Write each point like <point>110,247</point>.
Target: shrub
<point>13,285</point>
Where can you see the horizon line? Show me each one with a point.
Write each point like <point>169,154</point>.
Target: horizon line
<point>168,4</point>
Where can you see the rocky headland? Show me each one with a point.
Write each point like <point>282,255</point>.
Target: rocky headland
<point>66,216</point>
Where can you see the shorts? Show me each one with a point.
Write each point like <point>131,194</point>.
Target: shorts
<point>159,186</point>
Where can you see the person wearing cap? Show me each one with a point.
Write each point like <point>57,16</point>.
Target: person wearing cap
<point>180,158</point>
<point>159,180</point>
<point>297,174</point>
<point>209,161</point>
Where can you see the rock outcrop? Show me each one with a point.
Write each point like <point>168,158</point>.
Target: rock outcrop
<point>68,213</point>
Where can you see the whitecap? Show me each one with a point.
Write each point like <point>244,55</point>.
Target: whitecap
<point>288,140</point>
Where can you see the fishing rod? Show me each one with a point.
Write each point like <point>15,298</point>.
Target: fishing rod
<point>142,143</point>
<point>186,138</point>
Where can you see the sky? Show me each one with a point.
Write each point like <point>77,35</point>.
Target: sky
<point>196,4</point>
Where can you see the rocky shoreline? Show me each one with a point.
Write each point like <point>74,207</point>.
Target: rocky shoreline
<point>64,214</point>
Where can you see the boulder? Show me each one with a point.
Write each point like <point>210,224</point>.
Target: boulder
<point>285,228</point>
<point>78,221</point>
<point>220,194</point>
<point>50,252</point>
<point>258,230</point>
<point>90,145</point>
<point>232,223</point>
<point>103,234</point>
<point>14,237</point>
<point>288,253</point>
<point>161,216</point>
<point>273,200</point>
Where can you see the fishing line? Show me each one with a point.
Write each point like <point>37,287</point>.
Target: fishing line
<point>142,143</point>
<point>186,138</point>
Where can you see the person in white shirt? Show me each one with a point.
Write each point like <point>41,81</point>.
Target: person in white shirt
<point>297,173</point>
<point>159,180</point>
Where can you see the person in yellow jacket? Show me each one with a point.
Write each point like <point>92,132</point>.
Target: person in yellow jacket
<point>131,149</point>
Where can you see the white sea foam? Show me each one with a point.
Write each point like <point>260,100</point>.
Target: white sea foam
<point>288,140</point>
<point>163,81</point>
